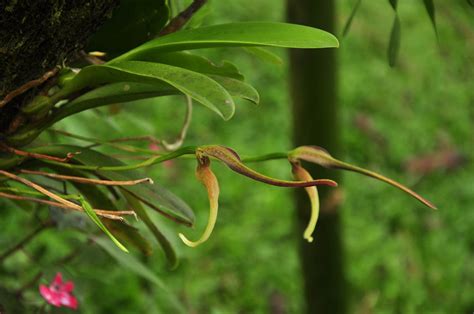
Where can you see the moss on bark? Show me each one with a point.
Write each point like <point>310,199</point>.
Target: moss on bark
<point>37,35</point>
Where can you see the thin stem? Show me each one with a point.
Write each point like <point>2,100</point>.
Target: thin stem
<point>182,134</point>
<point>149,162</point>
<point>43,226</point>
<point>110,214</point>
<point>86,180</point>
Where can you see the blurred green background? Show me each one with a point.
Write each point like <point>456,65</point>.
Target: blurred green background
<point>400,256</point>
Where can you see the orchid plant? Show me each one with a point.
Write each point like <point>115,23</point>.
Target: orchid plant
<point>159,67</point>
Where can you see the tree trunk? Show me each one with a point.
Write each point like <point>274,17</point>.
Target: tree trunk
<point>313,75</point>
<point>36,36</point>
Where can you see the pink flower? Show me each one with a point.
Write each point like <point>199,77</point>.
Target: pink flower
<point>59,293</point>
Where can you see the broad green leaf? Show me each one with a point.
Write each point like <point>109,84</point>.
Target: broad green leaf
<point>238,88</point>
<point>111,94</point>
<point>237,35</point>
<point>93,216</point>
<point>153,195</point>
<point>264,55</point>
<point>159,236</point>
<point>193,62</point>
<point>198,86</point>
<point>348,24</point>
<point>132,264</point>
<point>430,9</point>
<point>133,22</point>
<point>394,44</point>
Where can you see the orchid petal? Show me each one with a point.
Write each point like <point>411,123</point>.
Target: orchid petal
<point>205,175</point>
<point>301,174</point>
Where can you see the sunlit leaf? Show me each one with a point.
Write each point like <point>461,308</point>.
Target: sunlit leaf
<point>237,35</point>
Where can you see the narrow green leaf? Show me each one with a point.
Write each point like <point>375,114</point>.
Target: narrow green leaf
<point>394,44</point>
<point>93,216</point>
<point>237,35</point>
<point>131,263</point>
<point>348,24</point>
<point>430,9</point>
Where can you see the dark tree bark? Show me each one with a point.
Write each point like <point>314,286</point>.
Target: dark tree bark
<point>313,80</point>
<point>36,36</point>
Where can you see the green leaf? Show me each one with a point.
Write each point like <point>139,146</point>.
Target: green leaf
<point>159,236</point>
<point>131,263</point>
<point>133,23</point>
<point>348,24</point>
<point>111,94</point>
<point>192,62</point>
<point>238,88</point>
<point>394,44</point>
<point>198,86</point>
<point>97,198</point>
<point>153,195</point>
<point>237,35</point>
<point>93,216</point>
<point>430,9</point>
<point>265,55</point>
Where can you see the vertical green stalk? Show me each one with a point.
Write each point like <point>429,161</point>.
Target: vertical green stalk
<point>313,83</point>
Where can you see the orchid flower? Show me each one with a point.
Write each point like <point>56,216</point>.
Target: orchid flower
<point>320,156</point>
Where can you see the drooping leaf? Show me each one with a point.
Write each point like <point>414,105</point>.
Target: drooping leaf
<point>430,9</point>
<point>132,264</point>
<point>237,35</point>
<point>348,24</point>
<point>165,244</point>
<point>132,23</point>
<point>198,86</point>
<point>153,195</point>
<point>238,88</point>
<point>192,62</point>
<point>394,44</point>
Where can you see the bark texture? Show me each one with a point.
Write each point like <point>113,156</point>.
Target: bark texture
<point>313,83</point>
<point>36,36</point>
